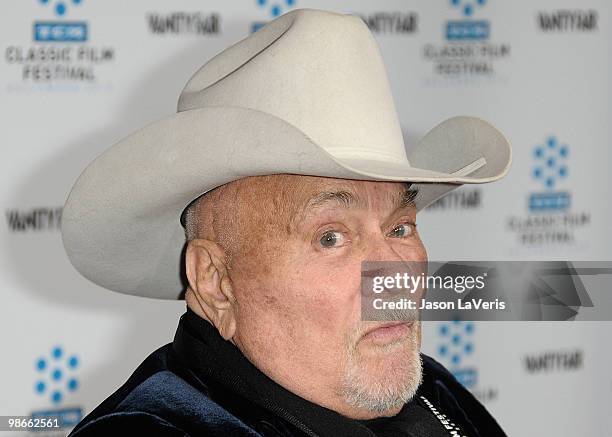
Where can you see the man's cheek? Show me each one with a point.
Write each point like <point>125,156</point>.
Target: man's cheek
<point>335,296</point>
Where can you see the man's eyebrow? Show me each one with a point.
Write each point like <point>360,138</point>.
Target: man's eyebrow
<point>347,199</point>
<point>343,198</point>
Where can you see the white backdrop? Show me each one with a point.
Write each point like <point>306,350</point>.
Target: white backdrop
<point>78,75</point>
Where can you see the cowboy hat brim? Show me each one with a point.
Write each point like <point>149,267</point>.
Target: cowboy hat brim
<point>121,222</point>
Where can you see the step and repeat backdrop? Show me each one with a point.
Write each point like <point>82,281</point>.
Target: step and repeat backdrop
<point>78,75</point>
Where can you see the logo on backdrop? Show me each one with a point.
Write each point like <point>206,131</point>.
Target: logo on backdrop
<point>35,219</point>
<point>60,30</point>
<point>272,9</point>
<point>456,350</point>
<point>183,23</point>
<point>58,50</point>
<point>55,381</point>
<point>456,346</point>
<point>464,198</point>
<point>550,219</point>
<point>565,20</point>
<point>554,361</point>
<point>466,51</point>
<point>550,168</point>
<point>467,28</point>
<point>386,23</point>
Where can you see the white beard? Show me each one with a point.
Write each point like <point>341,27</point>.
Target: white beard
<point>396,387</point>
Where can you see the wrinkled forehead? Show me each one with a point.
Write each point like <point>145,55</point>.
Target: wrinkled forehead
<point>286,197</point>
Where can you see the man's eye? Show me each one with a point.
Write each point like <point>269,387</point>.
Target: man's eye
<point>331,239</point>
<point>402,231</point>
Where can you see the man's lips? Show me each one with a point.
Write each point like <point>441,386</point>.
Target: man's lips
<point>388,332</point>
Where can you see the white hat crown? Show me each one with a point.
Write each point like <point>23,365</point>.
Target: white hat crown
<point>321,72</point>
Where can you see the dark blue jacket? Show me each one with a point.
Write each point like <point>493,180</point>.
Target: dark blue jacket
<point>201,385</point>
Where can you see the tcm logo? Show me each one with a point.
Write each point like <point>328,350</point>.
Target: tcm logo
<point>273,8</point>
<point>467,28</point>
<point>456,345</point>
<point>60,31</point>
<point>55,379</point>
<point>550,167</point>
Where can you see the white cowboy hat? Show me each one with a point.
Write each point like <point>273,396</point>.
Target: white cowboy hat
<point>307,94</point>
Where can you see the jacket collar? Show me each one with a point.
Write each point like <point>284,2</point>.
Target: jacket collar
<point>232,380</point>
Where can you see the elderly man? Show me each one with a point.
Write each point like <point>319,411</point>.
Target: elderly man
<point>286,167</point>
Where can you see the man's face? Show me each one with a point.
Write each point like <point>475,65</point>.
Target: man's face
<point>296,270</point>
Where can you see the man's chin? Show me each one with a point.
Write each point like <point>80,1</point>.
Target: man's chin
<point>384,381</point>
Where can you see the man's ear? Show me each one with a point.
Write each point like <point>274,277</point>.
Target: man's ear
<point>210,293</point>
